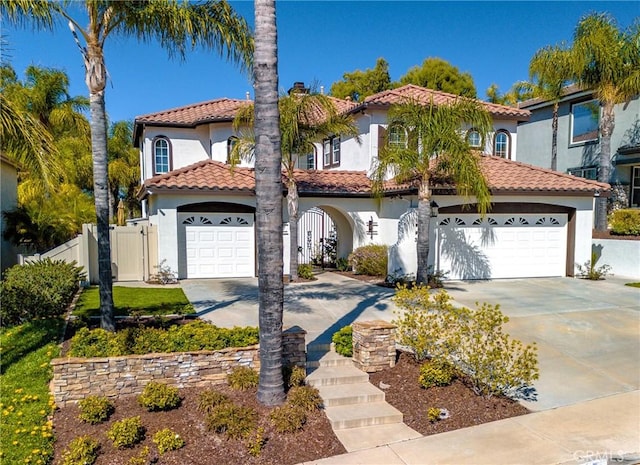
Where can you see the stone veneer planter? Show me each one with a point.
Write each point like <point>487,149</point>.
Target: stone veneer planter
<point>76,378</point>
<point>374,345</point>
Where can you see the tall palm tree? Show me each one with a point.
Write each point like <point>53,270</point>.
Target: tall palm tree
<point>607,61</point>
<point>549,73</point>
<point>268,203</point>
<point>305,119</point>
<point>177,26</point>
<point>434,147</point>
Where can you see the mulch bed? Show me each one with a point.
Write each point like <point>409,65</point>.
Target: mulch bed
<point>607,235</point>
<point>465,408</point>
<point>315,441</point>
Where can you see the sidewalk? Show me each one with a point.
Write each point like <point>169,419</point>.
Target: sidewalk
<point>597,432</point>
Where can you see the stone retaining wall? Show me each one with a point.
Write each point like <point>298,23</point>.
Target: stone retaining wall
<point>76,378</point>
<point>374,345</point>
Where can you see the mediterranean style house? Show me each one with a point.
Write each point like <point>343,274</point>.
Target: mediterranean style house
<point>539,225</point>
<point>578,144</point>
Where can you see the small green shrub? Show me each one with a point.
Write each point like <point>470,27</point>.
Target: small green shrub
<point>625,222</point>
<point>41,289</point>
<point>436,372</point>
<point>288,418</point>
<point>167,440</point>
<point>82,450</point>
<point>590,271</point>
<point>142,458</point>
<point>242,378</point>
<point>158,396</point>
<point>294,376</point>
<point>256,442</point>
<point>343,340</point>
<point>235,421</point>
<point>95,409</point>
<point>305,397</point>
<point>370,260</point>
<point>305,271</point>
<point>342,264</point>
<point>208,400</point>
<point>126,433</point>
<point>433,414</point>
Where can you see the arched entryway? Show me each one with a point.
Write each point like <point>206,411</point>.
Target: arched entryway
<point>324,235</point>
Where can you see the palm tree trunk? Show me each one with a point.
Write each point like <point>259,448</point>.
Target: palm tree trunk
<point>268,204</point>
<point>606,129</point>
<point>292,207</point>
<point>554,138</point>
<point>96,80</point>
<point>424,219</point>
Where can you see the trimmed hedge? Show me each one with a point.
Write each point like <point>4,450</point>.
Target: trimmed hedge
<point>41,289</point>
<point>625,222</point>
<point>195,335</point>
<point>370,260</point>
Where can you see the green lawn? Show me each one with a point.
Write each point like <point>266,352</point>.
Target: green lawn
<point>633,284</point>
<point>136,301</point>
<point>26,434</point>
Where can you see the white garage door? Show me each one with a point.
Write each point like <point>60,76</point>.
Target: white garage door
<point>220,245</point>
<point>502,245</point>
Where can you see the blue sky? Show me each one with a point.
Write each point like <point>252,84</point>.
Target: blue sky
<point>320,41</point>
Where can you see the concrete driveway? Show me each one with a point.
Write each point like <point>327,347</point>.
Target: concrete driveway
<point>587,332</point>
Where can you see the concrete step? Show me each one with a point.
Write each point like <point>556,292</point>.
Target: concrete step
<point>359,415</point>
<point>349,394</point>
<point>368,437</point>
<point>327,359</point>
<point>332,375</point>
<point>320,347</point>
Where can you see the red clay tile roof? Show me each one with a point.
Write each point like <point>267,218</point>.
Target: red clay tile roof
<point>411,92</point>
<point>503,176</point>
<point>222,109</point>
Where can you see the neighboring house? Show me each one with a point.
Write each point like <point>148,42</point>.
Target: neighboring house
<point>8,201</point>
<point>540,223</point>
<point>578,143</point>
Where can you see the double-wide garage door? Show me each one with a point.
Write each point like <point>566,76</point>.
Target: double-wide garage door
<point>502,245</point>
<point>219,245</point>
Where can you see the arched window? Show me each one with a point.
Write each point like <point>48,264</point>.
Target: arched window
<point>231,142</point>
<point>474,138</point>
<point>397,137</point>
<point>161,155</point>
<point>501,144</point>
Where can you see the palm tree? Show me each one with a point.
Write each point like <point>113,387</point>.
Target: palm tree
<point>607,61</point>
<point>176,26</point>
<point>268,203</point>
<point>549,73</point>
<point>434,148</point>
<point>305,118</point>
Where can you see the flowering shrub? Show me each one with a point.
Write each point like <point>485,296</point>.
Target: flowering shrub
<point>370,260</point>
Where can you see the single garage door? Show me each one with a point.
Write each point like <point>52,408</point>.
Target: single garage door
<point>220,245</point>
<point>502,245</point>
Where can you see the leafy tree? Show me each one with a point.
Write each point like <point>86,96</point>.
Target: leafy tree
<point>176,26</point>
<point>517,93</point>
<point>438,74</point>
<point>268,204</point>
<point>607,61</point>
<point>549,72</point>
<point>300,126</point>
<point>434,149</point>
<point>124,167</point>
<point>360,84</point>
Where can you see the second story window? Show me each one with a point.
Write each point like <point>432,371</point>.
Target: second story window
<point>501,144</point>
<point>231,142</point>
<point>161,155</point>
<point>474,139</point>
<point>331,152</point>
<point>311,161</point>
<point>585,118</point>
<point>398,137</point>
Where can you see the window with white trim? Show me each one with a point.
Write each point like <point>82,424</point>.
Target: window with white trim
<point>398,137</point>
<point>331,151</point>
<point>310,161</point>
<point>585,118</point>
<point>501,145</point>
<point>474,139</point>
<point>231,142</point>
<point>587,172</point>
<point>161,155</point>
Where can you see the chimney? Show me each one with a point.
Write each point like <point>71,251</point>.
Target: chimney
<point>298,88</point>
<point>247,96</point>
<point>322,90</point>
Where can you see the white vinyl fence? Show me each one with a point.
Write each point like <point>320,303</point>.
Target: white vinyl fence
<point>134,252</point>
